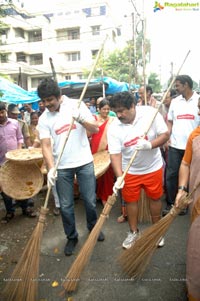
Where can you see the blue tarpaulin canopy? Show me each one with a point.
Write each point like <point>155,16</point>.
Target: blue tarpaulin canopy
<point>12,93</point>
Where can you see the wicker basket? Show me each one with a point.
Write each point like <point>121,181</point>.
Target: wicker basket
<point>20,181</point>
<point>25,156</point>
<point>101,163</point>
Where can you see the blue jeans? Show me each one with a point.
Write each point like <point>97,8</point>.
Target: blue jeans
<point>65,189</point>
<point>174,161</point>
<point>8,201</point>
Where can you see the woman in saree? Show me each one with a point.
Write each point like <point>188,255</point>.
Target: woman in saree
<point>98,142</point>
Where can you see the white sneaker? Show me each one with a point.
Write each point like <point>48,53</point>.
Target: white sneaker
<point>161,242</point>
<point>129,241</point>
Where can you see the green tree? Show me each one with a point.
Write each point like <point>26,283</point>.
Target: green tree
<point>124,64</point>
<point>154,82</point>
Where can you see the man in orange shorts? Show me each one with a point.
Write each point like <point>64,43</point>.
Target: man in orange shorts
<point>124,138</point>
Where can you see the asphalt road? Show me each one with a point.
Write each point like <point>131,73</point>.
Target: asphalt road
<point>102,278</point>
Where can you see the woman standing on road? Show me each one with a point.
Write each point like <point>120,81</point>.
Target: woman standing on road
<point>98,142</point>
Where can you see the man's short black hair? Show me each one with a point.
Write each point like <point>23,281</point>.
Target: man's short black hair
<point>149,89</point>
<point>123,99</point>
<point>47,88</point>
<point>185,79</point>
<point>11,106</point>
<point>2,106</point>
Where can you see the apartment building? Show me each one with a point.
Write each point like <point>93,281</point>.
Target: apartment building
<point>70,36</point>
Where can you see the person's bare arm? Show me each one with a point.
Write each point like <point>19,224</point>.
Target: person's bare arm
<point>170,124</point>
<point>184,173</point>
<point>116,161</point>
<point>91,126</point>
<point>27,141</point>
<point>160,140</point>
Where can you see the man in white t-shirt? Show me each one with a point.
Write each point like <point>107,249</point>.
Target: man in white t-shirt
<point>76,159</point>
<point>124,138</point>
<point>183,118</point>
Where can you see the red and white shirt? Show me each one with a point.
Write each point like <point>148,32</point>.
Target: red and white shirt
<point>184,115</point>
<point>122,138</point>
<point>54,125</point>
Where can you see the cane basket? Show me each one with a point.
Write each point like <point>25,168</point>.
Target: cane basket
<point>20,181</point>
<point>25,156</point>
<point>101,163</point>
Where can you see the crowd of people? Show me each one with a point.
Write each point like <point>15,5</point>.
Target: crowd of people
<point>166,161</point>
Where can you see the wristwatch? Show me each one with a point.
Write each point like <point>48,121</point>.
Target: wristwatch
<point>183,188</point>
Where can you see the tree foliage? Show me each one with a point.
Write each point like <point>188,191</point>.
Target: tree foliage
<point>154,82</point>
<point>126,64</point>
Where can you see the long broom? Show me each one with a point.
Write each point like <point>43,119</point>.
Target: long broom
<point>73,276</point>
<point>144,214</point>
<point>134,261</point>
<point>24,279</point>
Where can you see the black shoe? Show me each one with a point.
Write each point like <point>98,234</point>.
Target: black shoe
<point>166,210</point>
<point>70,246</point>
<point>183,212</point>
<point>101,237</point>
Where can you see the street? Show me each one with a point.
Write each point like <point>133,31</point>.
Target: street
<point>102,278</point>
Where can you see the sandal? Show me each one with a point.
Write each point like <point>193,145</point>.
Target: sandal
<point>29,212</point>
<point>7,218</point>
<point>122,219</point>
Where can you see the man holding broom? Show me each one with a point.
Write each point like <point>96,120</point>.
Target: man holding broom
<point>76,158</point>
<point>126,136</point>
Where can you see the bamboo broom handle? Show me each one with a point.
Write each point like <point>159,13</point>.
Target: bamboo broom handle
<point>150,124</point>
<point>72,122</point>
<point>165,94</point>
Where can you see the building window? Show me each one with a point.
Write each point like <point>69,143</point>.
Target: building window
<point>19,33</point>
<point>73,34</point>
<point>94,52</point>
<point>4,57</point>
<point>35,82</point>
<point>3,36</point>
<point>35,36</point>
<point>119,33</point>
<point>95,11</point>
<point>73,56</point>
<point>80,76</point>
<point>87,11</point>
<point>68,77</point>
<point>103,10</point>
<point>96,30</point>
<point>61,34</point>
<point>68,34</point>
<point>36,59</point>
<point>21,57</point>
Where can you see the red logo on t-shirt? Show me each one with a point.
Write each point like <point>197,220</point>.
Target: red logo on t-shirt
<point>186,116</point>
<point>133,141</point>
<point>64,128</point>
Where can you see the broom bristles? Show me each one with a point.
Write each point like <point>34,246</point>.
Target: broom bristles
<point>23,282</point>
<point>71,280</point>
<point>134,261</point>
<point>144,214</point>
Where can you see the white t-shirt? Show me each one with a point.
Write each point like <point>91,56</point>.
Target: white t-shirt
<point>56,124</point>
<point>184,115</point>
<point>122,138</point>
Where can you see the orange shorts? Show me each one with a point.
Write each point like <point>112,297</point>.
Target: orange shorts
<point>152,183</point>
